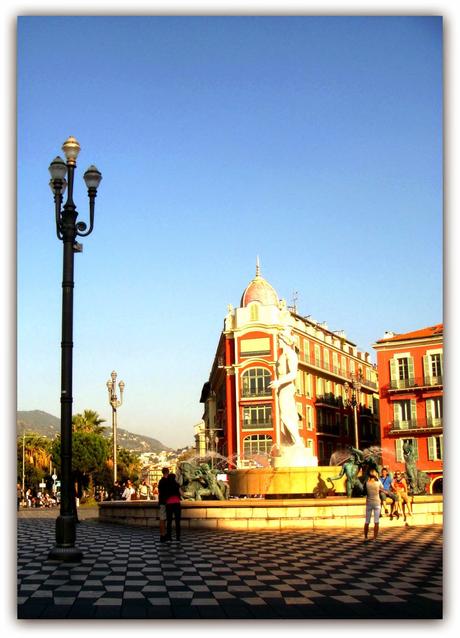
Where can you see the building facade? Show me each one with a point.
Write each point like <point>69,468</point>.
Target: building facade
<point>410,370</point>
<point>241,415</point>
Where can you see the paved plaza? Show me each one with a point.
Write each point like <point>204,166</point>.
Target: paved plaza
<point>127,573</point>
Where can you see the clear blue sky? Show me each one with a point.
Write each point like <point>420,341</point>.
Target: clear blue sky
<point>315,143</point>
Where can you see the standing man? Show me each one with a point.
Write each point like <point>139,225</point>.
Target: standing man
<point>144,491</point>
<point>162,496</point>
<point>386,480</point>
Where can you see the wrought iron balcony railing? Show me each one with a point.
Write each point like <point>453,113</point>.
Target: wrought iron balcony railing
<point>413,424</point>
<point>335,370</point>
<point>416,382</point>
<point>248,393</point>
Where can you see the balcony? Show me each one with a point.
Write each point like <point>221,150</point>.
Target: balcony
<point>415,383</point>
<point>314,362</point>
<point>329,400</point>
<point>255,393</point>
<point>412,425</point>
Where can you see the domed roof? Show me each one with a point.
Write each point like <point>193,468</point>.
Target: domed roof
<point>259,290</point>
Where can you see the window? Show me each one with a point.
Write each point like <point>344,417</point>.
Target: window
<point>317,355</point>
<point>433,368</point>
<point>257,417</point>
<point>257,444</point>
<point>326,359</point>
<point>352,367</point>
<point>299,382</point>
<point>335,362</point>
<point>405,414</point>
<point>309,417</point>
<point>255,382</point>
<point>435,448</point>
<point>300,414</point>
<point>308,385</point>
<point>319,387</point>
<point>254,312</point>
<point>321,451</point>
<point>434,412</point>
<point>402,372</point>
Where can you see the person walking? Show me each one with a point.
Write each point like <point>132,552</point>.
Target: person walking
<point>373,489</point>
<point>173,508</point>
<point>162,495</point>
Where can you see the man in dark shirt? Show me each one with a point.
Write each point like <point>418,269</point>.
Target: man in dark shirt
<point>162,496</point>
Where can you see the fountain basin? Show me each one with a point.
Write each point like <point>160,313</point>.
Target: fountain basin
<point>275,482</point>
<point>272,514</point>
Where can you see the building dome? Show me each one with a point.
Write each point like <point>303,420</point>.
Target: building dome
<point>259,290</point>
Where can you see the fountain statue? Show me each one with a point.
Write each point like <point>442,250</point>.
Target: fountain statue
<point>198,480</point>
<point>356,468</point>
<point>416,479</point>
<point>296,454</point>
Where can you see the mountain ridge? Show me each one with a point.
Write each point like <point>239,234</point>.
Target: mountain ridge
<point>48,425</point>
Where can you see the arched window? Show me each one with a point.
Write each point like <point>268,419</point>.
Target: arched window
<point>255,382</point>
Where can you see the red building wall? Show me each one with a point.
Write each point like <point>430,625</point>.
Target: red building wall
<point>417,390</point>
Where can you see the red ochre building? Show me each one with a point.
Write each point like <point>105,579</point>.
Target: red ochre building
<point>410,369</point>
<point>241,420</point>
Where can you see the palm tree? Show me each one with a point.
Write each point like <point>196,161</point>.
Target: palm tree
<point>37,450</point>
<point>89,422</point>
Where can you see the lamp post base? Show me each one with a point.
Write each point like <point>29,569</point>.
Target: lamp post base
<point>65,540</point>
<point>68,554</point>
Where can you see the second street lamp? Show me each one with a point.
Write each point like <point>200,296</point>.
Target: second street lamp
<point>115,403</point>
<point>67,230</point>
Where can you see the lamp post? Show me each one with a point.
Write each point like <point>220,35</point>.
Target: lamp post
<point>67,230</point>
<point>115,403</point>
<point>352,393</point>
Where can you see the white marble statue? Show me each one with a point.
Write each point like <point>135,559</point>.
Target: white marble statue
<point>285,383</point>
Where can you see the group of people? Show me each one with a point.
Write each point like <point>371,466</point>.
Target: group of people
<point>378,490</point>
<point>32,498</point>
<point>127,491</point>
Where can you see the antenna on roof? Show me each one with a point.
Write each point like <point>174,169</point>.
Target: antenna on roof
<point>257,266</point>
<point>295,297</point>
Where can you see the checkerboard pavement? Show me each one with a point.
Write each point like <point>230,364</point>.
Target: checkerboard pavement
<point>329,574</point>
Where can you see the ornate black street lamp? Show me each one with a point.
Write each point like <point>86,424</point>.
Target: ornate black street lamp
<point>67,230</point>
<point>352,394</point>
<point>115,402</point>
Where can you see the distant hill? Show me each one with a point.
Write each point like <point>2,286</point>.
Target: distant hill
<point>48,425</point>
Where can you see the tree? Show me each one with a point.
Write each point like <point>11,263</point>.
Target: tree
<point>37,454</point>
<point>89,454</point>
<point>129,465</point>
<point>89,422</point>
